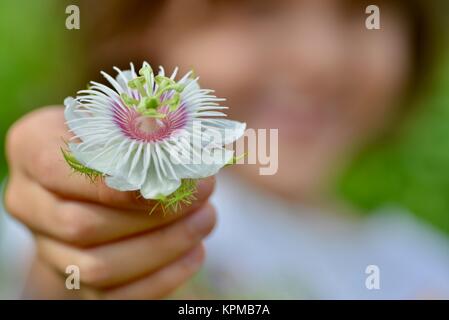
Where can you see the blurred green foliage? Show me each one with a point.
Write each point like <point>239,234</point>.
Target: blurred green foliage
<point>38,60</point>
<point>412,169</point>
<point>37,56</point>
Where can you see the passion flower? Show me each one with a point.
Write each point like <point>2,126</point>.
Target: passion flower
<point>137,133</point>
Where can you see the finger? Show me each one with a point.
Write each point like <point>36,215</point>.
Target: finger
<point>117,263</point>
<point>78,223</point>
<point>39,152</point>
<point>163,282</point>
<point>154,286</point>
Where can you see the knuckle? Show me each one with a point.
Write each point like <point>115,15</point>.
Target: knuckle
<point>44,165</point>
<point>11,201</point>
<point>207,186</point>
<point>21,132</point>
<point>135,200</point>
<point>204,222</point>
<point>195,262</point>
<point>92,294</point>
<point>210,216</point>
<point>78,227</point>
<point>94,270</point>
<point>108,195</point>
<point>189,235</point>
<point>128,199</point>
<point>13,139</point>
<point>181,273</point>
<point>212,212</point>
<point>103,193</point>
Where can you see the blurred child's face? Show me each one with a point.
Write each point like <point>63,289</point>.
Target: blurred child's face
<point>307,67</point>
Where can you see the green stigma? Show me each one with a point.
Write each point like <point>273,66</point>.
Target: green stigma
<point>149,104</point>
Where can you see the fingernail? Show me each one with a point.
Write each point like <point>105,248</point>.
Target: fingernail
<point>205,187</point>
<point>194,257</point>
<point>201,222</point>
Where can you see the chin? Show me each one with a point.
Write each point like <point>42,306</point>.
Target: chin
<point>291,185</point>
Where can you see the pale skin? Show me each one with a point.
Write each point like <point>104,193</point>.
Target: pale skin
<point>122,251</point>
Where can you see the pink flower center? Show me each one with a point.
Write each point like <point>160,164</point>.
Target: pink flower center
<point>138,127</point>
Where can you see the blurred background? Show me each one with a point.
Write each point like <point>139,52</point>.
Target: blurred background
<point>399,157</point>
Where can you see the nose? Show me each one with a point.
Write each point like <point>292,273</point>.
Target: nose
<point>312,49</point>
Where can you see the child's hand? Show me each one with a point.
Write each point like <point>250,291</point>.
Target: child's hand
<point>121,250</point>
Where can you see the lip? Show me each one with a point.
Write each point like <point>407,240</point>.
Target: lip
<point>305,122</point>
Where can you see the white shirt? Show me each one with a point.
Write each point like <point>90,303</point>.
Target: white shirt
<point>266,248</point>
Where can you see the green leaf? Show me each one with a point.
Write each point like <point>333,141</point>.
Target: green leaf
<point>78,167</point>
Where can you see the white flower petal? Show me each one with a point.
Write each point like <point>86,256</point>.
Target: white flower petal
<point>96,160</point>
<point>132,159</point>
<point>73,118</point>
<point>229,130</point>
<point>120,184</point>
<point>123,77</point>
<point>154,187</point>
<point>204,170</point>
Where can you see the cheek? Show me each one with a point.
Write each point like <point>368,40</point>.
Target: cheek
<point>381,68</point>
